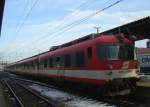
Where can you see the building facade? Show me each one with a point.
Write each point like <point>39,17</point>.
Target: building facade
<point>143,55</point>
<point>148,44</point>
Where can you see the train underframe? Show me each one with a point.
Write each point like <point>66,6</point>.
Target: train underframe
<point>115,87</point>
<point>119,87</point>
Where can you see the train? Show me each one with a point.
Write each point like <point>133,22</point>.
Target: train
<point>105,61</point>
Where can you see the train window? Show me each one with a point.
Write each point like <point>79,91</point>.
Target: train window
<point>26,65</point>
<point>37,65</point>
<point>34,64</point>
<point>59,62</point>
<point>89,52</point>
<point>50,63</point>
<point>126,53</point>
<point>104,52</point>
<point>23,66</point>
<point>41,64</point>
<point>45,63</point>
<point>67,60</point>
<point>57,59</point>
<point>80,59</point>
<point>31,65</point>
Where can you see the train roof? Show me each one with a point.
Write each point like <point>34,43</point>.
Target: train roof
<point>88,37</point>
<point>96,37</point>
<point>85,38</point>
<point>77,45</point>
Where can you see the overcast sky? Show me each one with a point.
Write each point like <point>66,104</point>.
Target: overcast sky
<point>27,33</point>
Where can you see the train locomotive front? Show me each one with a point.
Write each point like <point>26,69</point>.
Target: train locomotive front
<point>106,61</point>
<point>116,60</point>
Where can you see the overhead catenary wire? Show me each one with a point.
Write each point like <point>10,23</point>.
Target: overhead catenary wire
<point>80,21</point>
<point>76,12</point>
<point>77,22</point>
<point>68,17</point>
<point>19,26</point>
<point>20,18</point>
<point>26,17</point>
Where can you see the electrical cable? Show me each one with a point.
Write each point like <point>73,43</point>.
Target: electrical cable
<point>77,22</point>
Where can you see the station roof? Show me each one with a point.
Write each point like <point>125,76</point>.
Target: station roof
<point>2,3</point>
<point>140,29</point>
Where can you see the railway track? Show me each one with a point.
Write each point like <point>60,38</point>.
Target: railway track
<point>24,96</point>
<point>34,82</point>
<point>22,89</point>
<point>124,102</point>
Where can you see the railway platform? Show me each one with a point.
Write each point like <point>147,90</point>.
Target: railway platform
<point>143,87</point>
<point>3,102</point>
<point>144,81</point>
<point>143,84</point>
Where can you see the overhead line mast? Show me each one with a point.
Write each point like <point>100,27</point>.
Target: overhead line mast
<point>97,28</point>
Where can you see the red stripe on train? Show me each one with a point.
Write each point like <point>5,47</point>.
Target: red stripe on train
<point>77,79</point>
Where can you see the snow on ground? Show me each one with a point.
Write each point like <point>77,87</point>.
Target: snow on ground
<point>67,100</point>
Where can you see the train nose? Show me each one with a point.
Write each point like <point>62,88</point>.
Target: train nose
<point>120,87</point>
<point>125,65</point>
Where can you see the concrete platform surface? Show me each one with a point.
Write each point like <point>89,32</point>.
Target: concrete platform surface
<point>3,102</point>
<point>143,84</point>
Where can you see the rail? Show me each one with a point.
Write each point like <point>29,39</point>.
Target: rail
<point>12,88</point>
<point>37,95</point>
<point>14,94</point>
<point>121,102</point>
<point>35,82</point>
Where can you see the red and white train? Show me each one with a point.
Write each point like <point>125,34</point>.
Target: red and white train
<point>98,60</point>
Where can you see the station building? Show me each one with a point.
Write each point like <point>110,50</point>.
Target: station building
<point>143,55</point>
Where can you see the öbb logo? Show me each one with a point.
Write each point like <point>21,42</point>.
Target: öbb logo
<point>146,60</point>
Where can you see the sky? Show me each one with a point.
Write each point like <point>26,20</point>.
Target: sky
<point>33,26</point>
